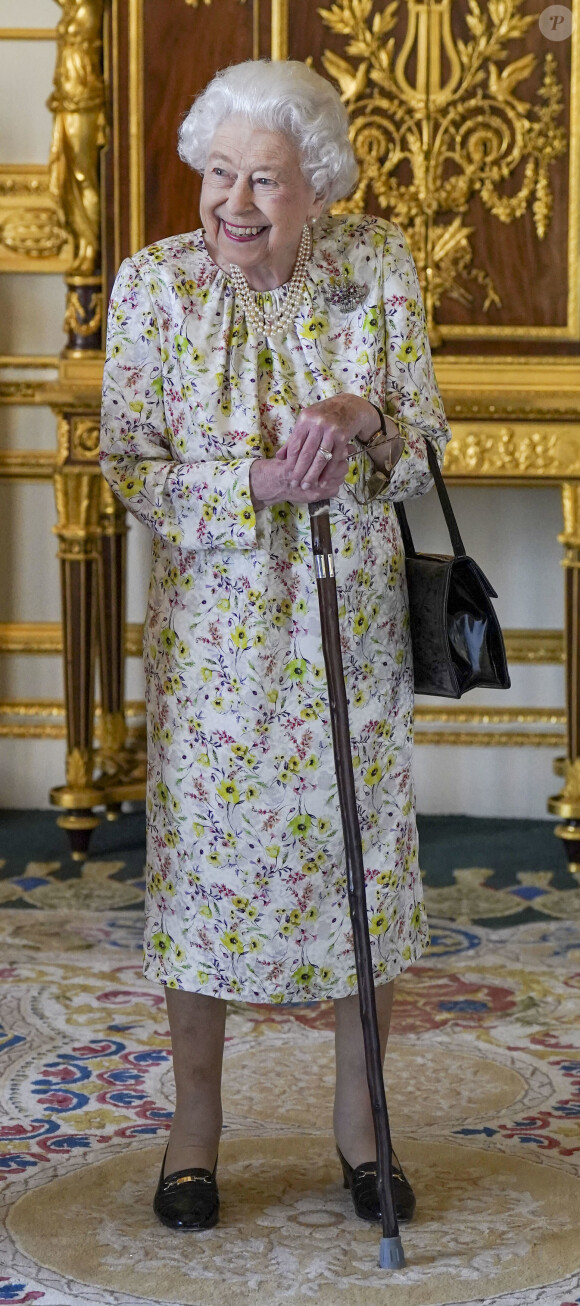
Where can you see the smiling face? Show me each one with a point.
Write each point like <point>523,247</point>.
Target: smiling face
<point>254,202</point>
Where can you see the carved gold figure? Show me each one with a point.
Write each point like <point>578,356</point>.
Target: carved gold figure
<point>77,102</point>
<point>456,123</point>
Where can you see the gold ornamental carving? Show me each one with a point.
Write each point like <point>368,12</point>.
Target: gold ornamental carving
<point>522,451</point>
<point>32,234</point>
<point>85,439</point>
<point>81,321</point>
<point>79,131</point>
<point>457,126</point>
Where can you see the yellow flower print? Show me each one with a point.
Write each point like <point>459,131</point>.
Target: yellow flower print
<point>254,945</point>
<point>406,953</point>
<point>214,858</point>
<point>223,605</point>
<point>309,867</point>
<point>348,549</point>
<point>323,825</point>
<point>311,763</point>
<point>218,703</point>
<point>360,623</point>
<point>407,352</point>
<point>286,606</point>
<point>293,764</point>
<point>239,637</point>
<point>296,669</point>
<point>295,916</point>
<point>239,750</point>
<point>308,714</point>
<point>240,903</point>
<point>384,877</point>
<point>371,321</point>
<point>179,953</point>
<point>161,942</point>
<point>171,838</point>
<point>303,975</point>
<point>277,997</point>
<point>198,828</point>
<point>247,516</point>
<point>272,850</point>
<point>259,639</point>
<point>167,638</point>
<point>207,511</point>
<point>374,774</point>
<point>352,478</point>
<point>206,674</point>
<point>286,928</point>
<point>251,793</point>
<point>231,940</point>
<point>186,582</point>
<point>206,911</point>
<point>251,913</point>
<point>162,792</point>
<point>378,923</point>
<point>314,327</point>
<point>136,406</point>
<point>325,974</point>
<point>131,487</point>
<point>416,917</point>
<point>359,698</point>
<point>311,915</point>
<point>228,790</point>
<point>203,759</point>
<point>183,649</point>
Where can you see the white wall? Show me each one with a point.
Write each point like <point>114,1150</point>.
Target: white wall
<point>512,533</point>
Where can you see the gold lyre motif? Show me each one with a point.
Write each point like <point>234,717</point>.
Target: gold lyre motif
<point>429,29</point>
<point>79,131</point>
<point>459,129</point>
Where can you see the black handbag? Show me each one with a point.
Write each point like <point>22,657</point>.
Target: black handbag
<point>455,634</point>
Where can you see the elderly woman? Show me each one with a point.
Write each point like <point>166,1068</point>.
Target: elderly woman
<point>275,357</point>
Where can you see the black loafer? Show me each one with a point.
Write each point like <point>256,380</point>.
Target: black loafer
<point>187,1199</point>
<point>362,1182</point>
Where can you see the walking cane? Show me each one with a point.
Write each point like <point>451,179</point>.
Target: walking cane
<point>391,1254</point>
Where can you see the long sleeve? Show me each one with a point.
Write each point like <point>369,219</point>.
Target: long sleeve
<point>411,395</point>
<point>192,504</point>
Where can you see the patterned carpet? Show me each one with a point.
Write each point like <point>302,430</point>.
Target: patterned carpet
<point>483,1079</point>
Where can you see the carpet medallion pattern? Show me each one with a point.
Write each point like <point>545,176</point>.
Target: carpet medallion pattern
<point>483,1078</point>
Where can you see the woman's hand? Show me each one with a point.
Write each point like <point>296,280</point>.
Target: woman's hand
<point>327,427</point>
<point>270,482</point>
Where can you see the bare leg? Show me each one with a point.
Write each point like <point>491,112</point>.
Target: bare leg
<point>197,1026</point>
<point>353,1121</point>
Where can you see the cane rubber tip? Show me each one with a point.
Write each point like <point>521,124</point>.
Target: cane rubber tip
<point>391,1254</point>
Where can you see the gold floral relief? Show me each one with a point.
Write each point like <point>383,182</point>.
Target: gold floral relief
<point>521,451</point>
<point>457,127</point>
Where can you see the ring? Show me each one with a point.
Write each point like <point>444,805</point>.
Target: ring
<point>325,453</point>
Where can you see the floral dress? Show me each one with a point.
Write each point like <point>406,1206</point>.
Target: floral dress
<point>246,885</point>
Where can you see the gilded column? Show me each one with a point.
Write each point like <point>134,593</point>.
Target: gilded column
<point>566,804</point>
<point>78,503</point>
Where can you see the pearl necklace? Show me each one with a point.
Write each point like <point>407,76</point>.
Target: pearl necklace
<point>278,319</point>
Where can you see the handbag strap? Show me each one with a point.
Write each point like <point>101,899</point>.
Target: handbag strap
<point>448,513</point>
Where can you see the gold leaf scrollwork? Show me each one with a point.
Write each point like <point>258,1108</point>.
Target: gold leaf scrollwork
<point>509,452</point>
<point>455,125</point>
<point>80,321</point>
<point>79,130</point>
<point>79,768</point>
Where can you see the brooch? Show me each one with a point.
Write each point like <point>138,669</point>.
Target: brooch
<point>345,295</point>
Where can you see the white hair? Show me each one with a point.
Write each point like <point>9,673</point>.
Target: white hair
<point>286,97</point>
